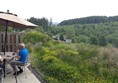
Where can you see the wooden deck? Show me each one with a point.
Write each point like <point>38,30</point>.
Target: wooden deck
<point>21,78</point>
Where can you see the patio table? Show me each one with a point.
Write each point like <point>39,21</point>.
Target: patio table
<point>7,58</point>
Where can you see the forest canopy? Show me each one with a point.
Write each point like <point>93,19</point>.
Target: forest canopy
<point>90,20</point>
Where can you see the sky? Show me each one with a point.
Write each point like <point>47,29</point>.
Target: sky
<point>60,10</point>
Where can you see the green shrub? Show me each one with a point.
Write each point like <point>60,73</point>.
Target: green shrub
<point>71,63</point>
<point>36,37</point>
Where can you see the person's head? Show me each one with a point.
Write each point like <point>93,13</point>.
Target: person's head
<point>21,46</point>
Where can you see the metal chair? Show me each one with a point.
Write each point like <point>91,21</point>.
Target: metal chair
<point>24,67</point>
<point>26,64</point>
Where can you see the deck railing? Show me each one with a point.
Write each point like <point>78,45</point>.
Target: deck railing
<point>13,39</point>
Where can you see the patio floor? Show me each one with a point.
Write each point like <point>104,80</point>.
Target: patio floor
<point>21,78</point>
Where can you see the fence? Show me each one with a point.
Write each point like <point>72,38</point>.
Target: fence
<point>13,39</point>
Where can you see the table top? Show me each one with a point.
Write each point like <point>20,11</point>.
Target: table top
<point>6,53</point>
<point>7,56</point>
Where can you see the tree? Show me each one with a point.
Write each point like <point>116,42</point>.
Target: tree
<point>69,32</point>
<point>93,40</point>
<point>62,37</point>
<point>43,22</point>
<point>102,40</point>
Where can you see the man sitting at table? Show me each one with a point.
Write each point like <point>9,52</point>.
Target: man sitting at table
<point>22,55</point>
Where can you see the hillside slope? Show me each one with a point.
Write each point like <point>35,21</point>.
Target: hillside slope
<point>71,63</point>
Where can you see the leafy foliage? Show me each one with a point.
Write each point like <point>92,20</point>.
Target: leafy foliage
<point>72,63</point>
<point>95,34</point>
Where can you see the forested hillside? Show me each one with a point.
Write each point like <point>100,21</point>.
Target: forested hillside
<point>95,30</point>
<point>90,20</point>
<point>103,34</point>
